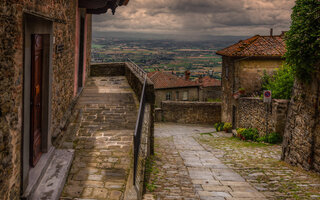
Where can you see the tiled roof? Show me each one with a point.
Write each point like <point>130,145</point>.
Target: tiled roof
<point>268,46</point>
<point>209,82</point>
<point>162,80</point>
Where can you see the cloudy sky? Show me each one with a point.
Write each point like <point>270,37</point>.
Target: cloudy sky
<point>197,18</point>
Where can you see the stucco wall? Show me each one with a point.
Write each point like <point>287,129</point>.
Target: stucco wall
<point>190,112</point>
<point>301,144</point>
<point>253,113</point>
<point>193,94</point>
<point>249,72</point>
<point>62,15</point>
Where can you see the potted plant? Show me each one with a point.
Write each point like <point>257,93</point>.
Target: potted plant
<point>227,127</point>
<point>242,91</point>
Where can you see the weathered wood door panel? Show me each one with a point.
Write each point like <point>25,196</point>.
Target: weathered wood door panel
<point>36,97</point>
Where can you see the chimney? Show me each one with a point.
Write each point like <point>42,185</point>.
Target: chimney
<point>271,32</point>
<point>187,75</point>
<point>200,78</point>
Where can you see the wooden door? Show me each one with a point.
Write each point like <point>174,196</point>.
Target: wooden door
<point>36,97</point>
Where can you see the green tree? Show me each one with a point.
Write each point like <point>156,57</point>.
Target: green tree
<point>280,83</point>
<point>303,39</point>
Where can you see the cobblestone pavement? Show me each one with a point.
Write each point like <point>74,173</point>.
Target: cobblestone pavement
<point>203,175</point>
<point>260,165</point>
<point>101,135</point>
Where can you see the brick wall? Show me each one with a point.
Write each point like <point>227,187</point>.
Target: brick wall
<point>252,113</point>
<point>190,112</point>
<point>301,146</point>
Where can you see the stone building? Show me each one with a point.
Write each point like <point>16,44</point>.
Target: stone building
<point>44,58</point>
<point>169,87</point>
<point>243,65</point>
<point>210,88</point>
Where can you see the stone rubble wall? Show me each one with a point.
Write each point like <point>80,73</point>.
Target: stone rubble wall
<point>301,145</point>
<point>107,69</point>
<point>252,113</point>
<point>12,16</point>
<point>189,112</point>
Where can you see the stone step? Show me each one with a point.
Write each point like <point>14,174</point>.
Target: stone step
<point>52,183</point>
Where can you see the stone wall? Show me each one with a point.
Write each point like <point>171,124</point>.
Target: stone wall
<point>107,69</point>
<point>227,88</point>
<point>252,113</point>
<point>190,112</point>
<point>301,145</point>
<point>135,79</point>
<point>12,15</point>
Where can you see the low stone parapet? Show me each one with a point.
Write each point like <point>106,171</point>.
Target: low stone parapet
<point>189,112</point>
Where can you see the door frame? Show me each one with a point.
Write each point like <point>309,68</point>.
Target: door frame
<point>34,24</point>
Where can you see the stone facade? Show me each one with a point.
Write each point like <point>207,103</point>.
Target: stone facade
<point>213,92</point>
<point>301,144</point>
<point>243,73</point>
<point>177,94</point>
<point>253,113</point>
<point>62,16</point>
<point>189,112</point>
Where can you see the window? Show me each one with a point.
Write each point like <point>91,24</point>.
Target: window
<point>168,96</point>
<point>185,96</point>
<point>177,95</point>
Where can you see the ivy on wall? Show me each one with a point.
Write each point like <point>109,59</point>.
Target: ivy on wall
<point>303,39</point>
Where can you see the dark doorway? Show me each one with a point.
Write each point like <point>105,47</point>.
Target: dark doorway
<point>81,54</point>
<point>36,97</point>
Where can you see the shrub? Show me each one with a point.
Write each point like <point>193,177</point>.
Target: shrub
<point>250,134</point>
<point>280,83</point>
<point>272,138</point>
<point>227,127</point>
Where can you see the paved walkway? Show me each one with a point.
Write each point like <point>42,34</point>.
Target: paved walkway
<point>203,175</point>
<point>101,134</point>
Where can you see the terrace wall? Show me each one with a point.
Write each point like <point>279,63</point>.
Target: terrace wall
<point>189,112</point>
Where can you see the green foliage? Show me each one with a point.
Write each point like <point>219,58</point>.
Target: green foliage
<point>219,126</point>
<point>250,134</point>
<point>272,138</point>
<point>302,40</point>
<point>151,170</point>
<point>213,100</point>
<point>227,126</point>
<point>280,83</point>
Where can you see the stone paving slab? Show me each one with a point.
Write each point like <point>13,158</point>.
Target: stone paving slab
<point>260,165</point>
<point>210,177</point>
<point>103,140</point>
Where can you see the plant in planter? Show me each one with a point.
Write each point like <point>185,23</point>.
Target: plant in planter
<point>227,127</point>
<point>241,91</point>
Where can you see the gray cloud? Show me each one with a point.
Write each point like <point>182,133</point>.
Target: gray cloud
<point>198,17</point>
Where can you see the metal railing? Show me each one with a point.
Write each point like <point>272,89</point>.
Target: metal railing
<point>137,69</point>
<point>139,126</point>
<point>137,135</point>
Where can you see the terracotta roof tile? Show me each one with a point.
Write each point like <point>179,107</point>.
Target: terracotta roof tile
<point>209,82</point>
<point>269,46</point>
<point>162,80</point>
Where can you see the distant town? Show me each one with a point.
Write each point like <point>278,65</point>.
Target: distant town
<point>162,55</point>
